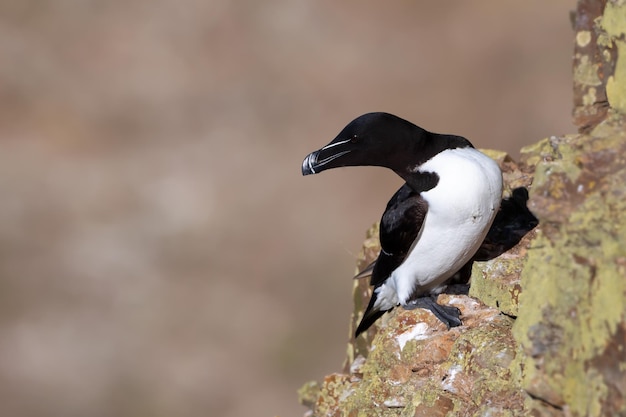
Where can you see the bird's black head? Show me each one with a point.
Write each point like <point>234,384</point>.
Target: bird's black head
<point>379,139</point>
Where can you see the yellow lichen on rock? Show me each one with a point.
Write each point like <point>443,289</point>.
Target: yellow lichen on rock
<point>614,23</point>
<point>572,305</point>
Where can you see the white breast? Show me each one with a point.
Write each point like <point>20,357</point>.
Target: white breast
<point>461,209</point>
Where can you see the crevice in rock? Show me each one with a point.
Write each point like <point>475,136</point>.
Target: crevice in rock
<point>544,401</point>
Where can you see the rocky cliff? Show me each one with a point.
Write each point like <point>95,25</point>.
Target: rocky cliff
<point>544,323</point>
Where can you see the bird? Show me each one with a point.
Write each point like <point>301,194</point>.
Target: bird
<point>434,224</point>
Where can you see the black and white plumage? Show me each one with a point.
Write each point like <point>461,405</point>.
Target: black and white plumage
<point>434,223</point>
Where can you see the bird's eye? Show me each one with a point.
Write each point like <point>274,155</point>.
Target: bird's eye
<point>354,139</point>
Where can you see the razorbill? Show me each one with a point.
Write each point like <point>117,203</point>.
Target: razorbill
<point>434,223</point>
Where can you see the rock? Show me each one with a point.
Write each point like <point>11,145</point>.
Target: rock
<point>572,315</point>
<point>417,367</point>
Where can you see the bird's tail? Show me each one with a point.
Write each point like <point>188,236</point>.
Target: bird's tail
<point>366,272</point>
<point>370,316</point>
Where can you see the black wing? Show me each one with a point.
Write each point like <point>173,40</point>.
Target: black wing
<point>399,227</point>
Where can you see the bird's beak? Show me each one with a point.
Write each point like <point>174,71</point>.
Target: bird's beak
<point>321,160</point>
<point>309,164</point>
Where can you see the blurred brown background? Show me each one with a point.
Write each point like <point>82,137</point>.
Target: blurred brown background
<point>160,254</point>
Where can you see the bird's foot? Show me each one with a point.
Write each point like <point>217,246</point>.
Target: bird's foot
<point>448,315</point>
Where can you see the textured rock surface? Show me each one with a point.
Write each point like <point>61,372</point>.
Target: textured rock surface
<point>416,367</point>
<point>544,324</point>
<point>594,62</point>
<point>571,325</point>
